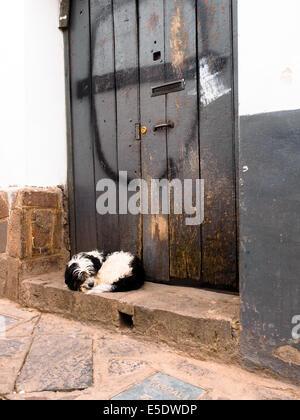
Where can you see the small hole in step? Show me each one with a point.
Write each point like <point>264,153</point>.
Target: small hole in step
<point>126,321</point>
<point>156,56</point>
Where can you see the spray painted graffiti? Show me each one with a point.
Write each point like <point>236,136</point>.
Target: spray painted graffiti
<point>211,69</point>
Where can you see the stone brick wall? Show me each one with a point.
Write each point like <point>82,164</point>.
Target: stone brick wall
<point>33,236</point>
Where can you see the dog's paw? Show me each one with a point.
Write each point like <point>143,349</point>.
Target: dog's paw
<point>103,288</point>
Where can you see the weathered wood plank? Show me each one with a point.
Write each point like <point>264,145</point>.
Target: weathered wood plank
<point>183,140</point>
<point>127,85</point>
<point>216,143</point>
<point>82,130</point>
<point>154,147</point>
<point>104,114</point>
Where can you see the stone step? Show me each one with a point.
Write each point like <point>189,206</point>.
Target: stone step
<point>200,323</point>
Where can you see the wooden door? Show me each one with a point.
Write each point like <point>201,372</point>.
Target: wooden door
<point>154,63</point>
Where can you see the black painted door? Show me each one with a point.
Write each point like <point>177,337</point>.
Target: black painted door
<point>119,51</point>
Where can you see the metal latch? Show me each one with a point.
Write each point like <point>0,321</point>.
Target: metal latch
<point>169,124</point>
<point>64,14</point>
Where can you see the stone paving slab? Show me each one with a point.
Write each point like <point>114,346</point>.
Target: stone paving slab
<point>161,387</point>
<point>51,325</point>
<point>21,322</point>
<point>12,355</point>
<point>57,363</point>
<point>122,363</point>
<point>16,327</point>
<point>22,329</point>
<point>15,311</point>
<point>5,321</point>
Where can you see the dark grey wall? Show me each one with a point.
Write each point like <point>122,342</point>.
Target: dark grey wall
<point>270,237</point>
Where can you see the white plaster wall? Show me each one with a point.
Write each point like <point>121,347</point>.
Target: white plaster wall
<point>269,55</point>
<point>33,123</point>
<point>12,99</point>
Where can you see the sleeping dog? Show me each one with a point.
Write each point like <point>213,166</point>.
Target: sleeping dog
<point>98,272</point>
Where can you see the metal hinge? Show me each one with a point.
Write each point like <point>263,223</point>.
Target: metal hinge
<point>64,14</point>
<point>138,131</point>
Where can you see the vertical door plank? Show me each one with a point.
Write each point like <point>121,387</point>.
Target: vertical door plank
<point>183,140</point>
<point>85,212</point>
<point>104,114</point>
<point>154,148</point>
<point>216,140</point>
<point>127,85</point>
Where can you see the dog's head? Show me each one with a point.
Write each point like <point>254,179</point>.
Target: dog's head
<point>82,269</point>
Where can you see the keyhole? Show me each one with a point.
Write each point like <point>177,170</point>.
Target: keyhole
<point>156,56</point>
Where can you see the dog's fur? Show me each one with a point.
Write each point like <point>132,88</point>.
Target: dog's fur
<point>98,272</point>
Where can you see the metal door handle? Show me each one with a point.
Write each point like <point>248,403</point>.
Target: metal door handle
<point>169,124</point>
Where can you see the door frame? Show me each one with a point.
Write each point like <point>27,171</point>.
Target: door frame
<point>70,190</point>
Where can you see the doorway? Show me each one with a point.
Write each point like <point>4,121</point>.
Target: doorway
<point>152,96</point>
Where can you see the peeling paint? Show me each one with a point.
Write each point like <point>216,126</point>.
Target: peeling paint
<point>178,41</point>
<point>159,228</point>
<point>288,354</point>
<point>153,23</point>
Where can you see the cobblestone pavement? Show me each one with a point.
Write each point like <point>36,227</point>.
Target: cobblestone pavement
<point>44,356</point>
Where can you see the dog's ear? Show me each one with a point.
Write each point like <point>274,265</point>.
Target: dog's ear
<point>70,278</point>
<point>96,262</point>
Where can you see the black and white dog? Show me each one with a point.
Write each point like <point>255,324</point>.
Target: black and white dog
<point>98,272</point>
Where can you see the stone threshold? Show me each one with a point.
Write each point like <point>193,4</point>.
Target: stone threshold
<point>203,324</point>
